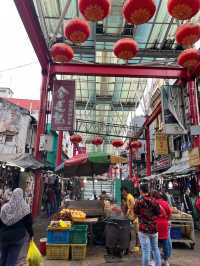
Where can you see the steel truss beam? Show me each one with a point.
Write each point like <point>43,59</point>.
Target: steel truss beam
<point>104,129</point>
<point>129,106</point>
<point>155,53</point>
<point>107,70</point>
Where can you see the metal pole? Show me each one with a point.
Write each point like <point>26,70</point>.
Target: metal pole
<point>194,109</point>
<point>148,152</point>
<point>130,161</point>
<point>61,19</point>
<point>42,116</point>
<point>59,148</point>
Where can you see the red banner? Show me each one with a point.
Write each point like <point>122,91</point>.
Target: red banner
<point>63,105</point>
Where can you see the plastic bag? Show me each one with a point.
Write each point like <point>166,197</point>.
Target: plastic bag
<point>34,257</point>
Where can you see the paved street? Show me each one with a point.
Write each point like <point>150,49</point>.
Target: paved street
<point>182,256</point>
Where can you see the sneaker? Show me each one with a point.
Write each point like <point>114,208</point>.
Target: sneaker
<point>152,263</point>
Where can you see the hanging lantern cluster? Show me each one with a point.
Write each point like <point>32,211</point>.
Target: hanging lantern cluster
<point>77,30</point>
<point>61,53</point>
<point>138,12</point>
<point>117,143</point>
<point>189,58</point>
<point>188,34</point>
<point>126,48</point>
<point>97,141</point>
<point>135,145</point>
<point>76,139</point>
<point>94,10</point>
<point>183,9</point>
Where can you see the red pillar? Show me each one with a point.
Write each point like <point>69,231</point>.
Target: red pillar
<point>148,151</point>
<point>37,194</point>
<point>130,161</point>
<point>59,148</point>
<point>42,115</point>
<point>194,109</point>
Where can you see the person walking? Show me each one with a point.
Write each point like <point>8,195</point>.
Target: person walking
<point>147,211</point>
<point>15,221</point>
<point>162,222</point>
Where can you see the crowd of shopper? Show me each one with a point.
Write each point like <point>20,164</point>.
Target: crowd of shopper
<point>152,212</point>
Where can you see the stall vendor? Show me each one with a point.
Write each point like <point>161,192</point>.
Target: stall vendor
<point>130,203</point>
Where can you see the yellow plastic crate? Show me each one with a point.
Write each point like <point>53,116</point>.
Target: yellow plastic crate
<point>78,252</point>
<point>58,252</point>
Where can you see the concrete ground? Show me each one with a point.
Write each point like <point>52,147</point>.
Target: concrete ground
<point>182,256</point>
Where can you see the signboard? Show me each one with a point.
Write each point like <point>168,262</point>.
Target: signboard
<point>82,150</point>
<point>194,157</point>
<point>63,105</point>
<point>163,162</point>
<point>46,143</point>
<point>195,130</point>
<point>172,106</point>
<point>161,142</point>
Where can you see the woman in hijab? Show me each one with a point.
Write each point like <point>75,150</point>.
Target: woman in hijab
<point>15,221</point>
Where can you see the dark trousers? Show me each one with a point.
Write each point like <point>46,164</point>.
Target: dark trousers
<point>10,253</point>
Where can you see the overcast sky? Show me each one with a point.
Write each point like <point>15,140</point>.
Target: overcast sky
<point>16,50</point>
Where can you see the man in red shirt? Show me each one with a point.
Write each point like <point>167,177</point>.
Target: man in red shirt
<point>147,211</point>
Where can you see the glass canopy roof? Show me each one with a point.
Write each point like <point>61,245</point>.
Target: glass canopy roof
<point>109,99</point>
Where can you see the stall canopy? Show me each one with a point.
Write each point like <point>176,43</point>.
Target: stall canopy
<point>26,162</point>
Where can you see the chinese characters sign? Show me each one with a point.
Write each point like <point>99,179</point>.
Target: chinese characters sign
<point>63,105</point>
<point>161,142</point>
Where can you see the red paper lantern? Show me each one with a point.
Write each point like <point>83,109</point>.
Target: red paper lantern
<point>77,30</point>
<point>97,141</point>
<point>188,34</point>
<point>75,139</point>
<point>125,48</point>
<point>61,53</point>
<point>139,12</point>
<point>95,10</point>
<point>183,9</point>
<point>189,58</point>
<point>136,144</point>
<point>117,143</point>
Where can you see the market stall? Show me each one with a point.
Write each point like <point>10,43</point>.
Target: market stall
<point>67,236</point>
<point>182,228</point>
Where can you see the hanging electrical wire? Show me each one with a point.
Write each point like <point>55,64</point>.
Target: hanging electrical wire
<point>17,67</point>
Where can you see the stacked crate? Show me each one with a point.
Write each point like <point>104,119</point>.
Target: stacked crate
<point>58,244</point>
<point>78,241</point>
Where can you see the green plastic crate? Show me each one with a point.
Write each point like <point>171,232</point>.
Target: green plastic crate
<point>79,234</point>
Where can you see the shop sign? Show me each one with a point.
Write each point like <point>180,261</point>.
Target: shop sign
<point>163,162</point>
<point>172,106</point>
<point>46,143</point>
<point>195,130</point>
<point>161,141</point>
<point>194,157</point>
<point>82,150</point>
<point>63,105</point>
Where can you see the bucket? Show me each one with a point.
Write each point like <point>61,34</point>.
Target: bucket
<point>43,246</point>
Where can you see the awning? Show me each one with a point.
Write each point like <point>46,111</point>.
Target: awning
<point>26,162</point>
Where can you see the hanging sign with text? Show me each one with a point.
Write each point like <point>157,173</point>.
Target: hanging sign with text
<point>63,105</point>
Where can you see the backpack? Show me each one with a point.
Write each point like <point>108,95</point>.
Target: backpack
<point>197,204</point>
